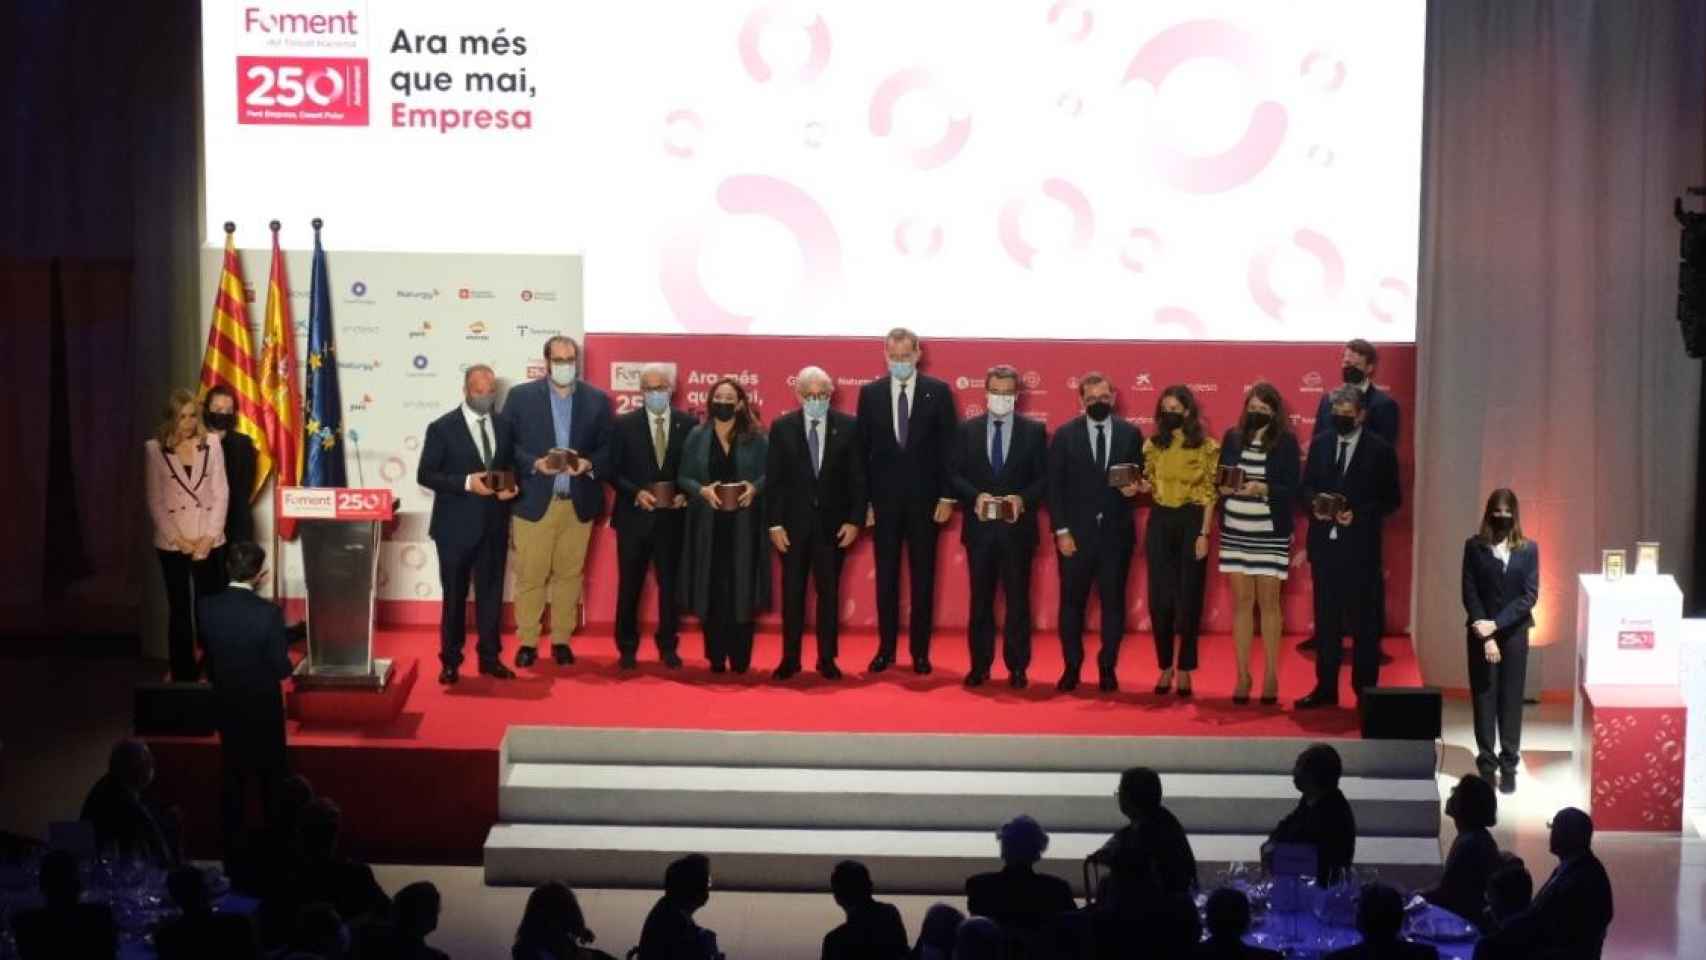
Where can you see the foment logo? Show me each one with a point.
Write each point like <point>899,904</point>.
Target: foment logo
<point>318,24</point>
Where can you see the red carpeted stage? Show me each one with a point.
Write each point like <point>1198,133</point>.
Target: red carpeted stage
<point>423,787</point>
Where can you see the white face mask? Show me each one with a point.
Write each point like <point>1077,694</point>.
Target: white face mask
<point>562,374</point>
<point>1000,405</point>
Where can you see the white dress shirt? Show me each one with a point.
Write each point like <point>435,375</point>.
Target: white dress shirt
<point>474,420</point>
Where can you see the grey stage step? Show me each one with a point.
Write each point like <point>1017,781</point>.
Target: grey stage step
<point>953,799</point>
<point>902,861</point>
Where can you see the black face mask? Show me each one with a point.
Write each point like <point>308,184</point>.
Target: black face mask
<point>1098,410</point>
<point>1170,421</point>
<point>1256,421</point>
<point>221,421</point>
<point>1501,525</point>
<point>722,411</point>
<point>1344,425</point>
<point>1353,375</point>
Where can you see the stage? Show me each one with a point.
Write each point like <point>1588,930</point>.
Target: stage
<point>424,787</point>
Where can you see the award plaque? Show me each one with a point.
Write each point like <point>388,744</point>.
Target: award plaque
<point>1646,558</point>
<point>1124,474</point>
<point>998,508</point>
<point>664,492</point>
<point>1327,506</point>
<point>561,458</point>
<point>501,481</point>
<point>728,496</point>
<point>1230,476</point>
<point>1611,563</point>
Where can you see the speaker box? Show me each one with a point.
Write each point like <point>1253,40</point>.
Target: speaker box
<point>1401,713</point>
<point>174,709</point>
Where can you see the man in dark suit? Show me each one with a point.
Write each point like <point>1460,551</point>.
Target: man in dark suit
<point>1095,526</point>
<point>553,517</point>
<point>1571,912</point>
<point>669,932</point>
<point>873,930</point>
<point>461,458</point>
<point>906,426</point>
<point>247,659</point>
<point>1000,456</point>
<point>126,820</point>
<point>645,451</point>
<point>1344,547</point>
<point>814,492</point>
<point>1357,368</point>
<point>219,410</point>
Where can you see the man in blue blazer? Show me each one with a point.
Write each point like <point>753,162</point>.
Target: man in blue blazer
<point>470,519</point>
<point>553,517</point>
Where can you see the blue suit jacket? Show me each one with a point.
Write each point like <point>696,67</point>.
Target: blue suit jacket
<point>529,411</point>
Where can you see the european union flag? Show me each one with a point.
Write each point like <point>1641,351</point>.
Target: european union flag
<point>323,408</point>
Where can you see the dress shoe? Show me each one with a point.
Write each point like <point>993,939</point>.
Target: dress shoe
<point>1108,682</point>
<point>881,662</point>
<point>1018,680</point>
<point>739,669</point>
<point>1507,781</point>
<point>976,678</point>
<point>828,670</point>
<point>561,653</point>
<point>672,661</point>
<point>921,666</point>
<point>1316,700</point>
<point>448,676</point>
<point>627,661</point>
<point>526,657</point>
<point>495,668</point>
<point>786,670</point>
<point>1068,682</point>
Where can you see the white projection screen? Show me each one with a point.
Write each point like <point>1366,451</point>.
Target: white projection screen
<point>1171,169</point>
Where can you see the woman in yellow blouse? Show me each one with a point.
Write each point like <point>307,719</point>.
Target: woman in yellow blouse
<point>1179,461</point>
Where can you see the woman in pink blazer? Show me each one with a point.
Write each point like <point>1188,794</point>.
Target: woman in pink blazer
<point>187,497</point>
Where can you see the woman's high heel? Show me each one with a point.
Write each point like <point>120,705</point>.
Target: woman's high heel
<point>1241,691</point>
<point>1165,683</point>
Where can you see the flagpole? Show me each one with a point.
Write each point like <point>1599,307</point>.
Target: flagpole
<point>277,556</point>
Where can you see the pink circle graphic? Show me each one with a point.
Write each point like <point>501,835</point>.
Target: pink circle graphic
<point>1057,18</point>
<point>1321,155</point>
<point>1063,192</point>
<point>758,195</point>
<point>1309,241</point>
<point>1389,293</point>
<point>1070,104</point>
<point>414,557</point>
<point>908,231</point>
<point>1142,245</point>
<point>1263,134</point>
<point>1185,320</point>
<point>753,60</point>
<point>393,469</point>
<point>1328,73</point>
<point>683,129</point>
<point>901,84</point>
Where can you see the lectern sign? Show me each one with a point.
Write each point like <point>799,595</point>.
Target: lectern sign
<point>335,503</point>
<point>1636,639</point>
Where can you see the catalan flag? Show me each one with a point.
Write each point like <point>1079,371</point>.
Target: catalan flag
<point>325,409</point>
<point>281,401</point>
<point>230,359</point>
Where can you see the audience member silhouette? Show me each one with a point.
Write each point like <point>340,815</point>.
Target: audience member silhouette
<point>198,932</point>
<point>979,938</point>
<point>1017,897</point>
<point>553,927</point>
<point>1171,929</point>
<point>127,823</point>
<point>1227,914</point>
<point>1462,889</point>
<point>402,935</point>
<point>1150,855</point>
<point>873,931</point>
<point>322,874</point>
<point>1509,892</point>
<point>267,857</point>
<point>318,934</point>
<point>1380,920</point>
<point>936,933</point>
<point>1323,816</point>
<point>670,932</point>
<point>62,928</point>
<point>1571,911</point>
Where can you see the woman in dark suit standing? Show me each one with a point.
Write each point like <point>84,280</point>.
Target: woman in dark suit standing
<point>1501,580</point>
<point>725,554</point>
<point>219,412</point>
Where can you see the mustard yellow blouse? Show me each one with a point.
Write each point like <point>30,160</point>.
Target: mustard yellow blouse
<point>1182,474</point>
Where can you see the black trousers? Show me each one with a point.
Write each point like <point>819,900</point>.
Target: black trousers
<point>1003,561</point>
<point>659,549</point>
<point>814,556</point>
<point>186,581</point>
<point>251,748</point>
<point>1104,564</point>
<point>1346,594</point>
<point>909,526</point>
<point>1495,695</point>
<point>481,562</point>
<point>1175,583</point>
<point>727,640</point>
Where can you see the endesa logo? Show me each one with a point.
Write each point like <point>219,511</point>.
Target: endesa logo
<point>304,91</point>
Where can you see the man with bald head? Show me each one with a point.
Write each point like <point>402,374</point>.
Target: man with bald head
<point>1571,912</point>
<point>814,492</point>
<point>466,453</point>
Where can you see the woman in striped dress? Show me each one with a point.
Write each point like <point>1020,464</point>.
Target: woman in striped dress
<point>1255,529</point>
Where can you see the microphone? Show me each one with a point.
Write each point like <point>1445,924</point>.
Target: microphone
<point>355,444</point>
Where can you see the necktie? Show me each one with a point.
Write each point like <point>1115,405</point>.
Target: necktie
<point>1102,446</point>
<point>485,445</point>
<point>815,448</point>
<point>1344,447</point>
<point>903,419</point>
<point>997,456</point>
<point>659,445</point>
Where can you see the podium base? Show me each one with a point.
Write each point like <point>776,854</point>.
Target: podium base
<point>350,706</point>
<point>347,678</point>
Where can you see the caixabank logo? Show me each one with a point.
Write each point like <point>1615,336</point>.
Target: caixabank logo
<point>282,76</point>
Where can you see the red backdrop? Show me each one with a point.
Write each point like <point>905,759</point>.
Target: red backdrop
<point>1219,374</point>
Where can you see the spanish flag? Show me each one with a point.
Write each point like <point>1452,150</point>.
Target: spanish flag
<point>281,401</point>
<point>230,359</point>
